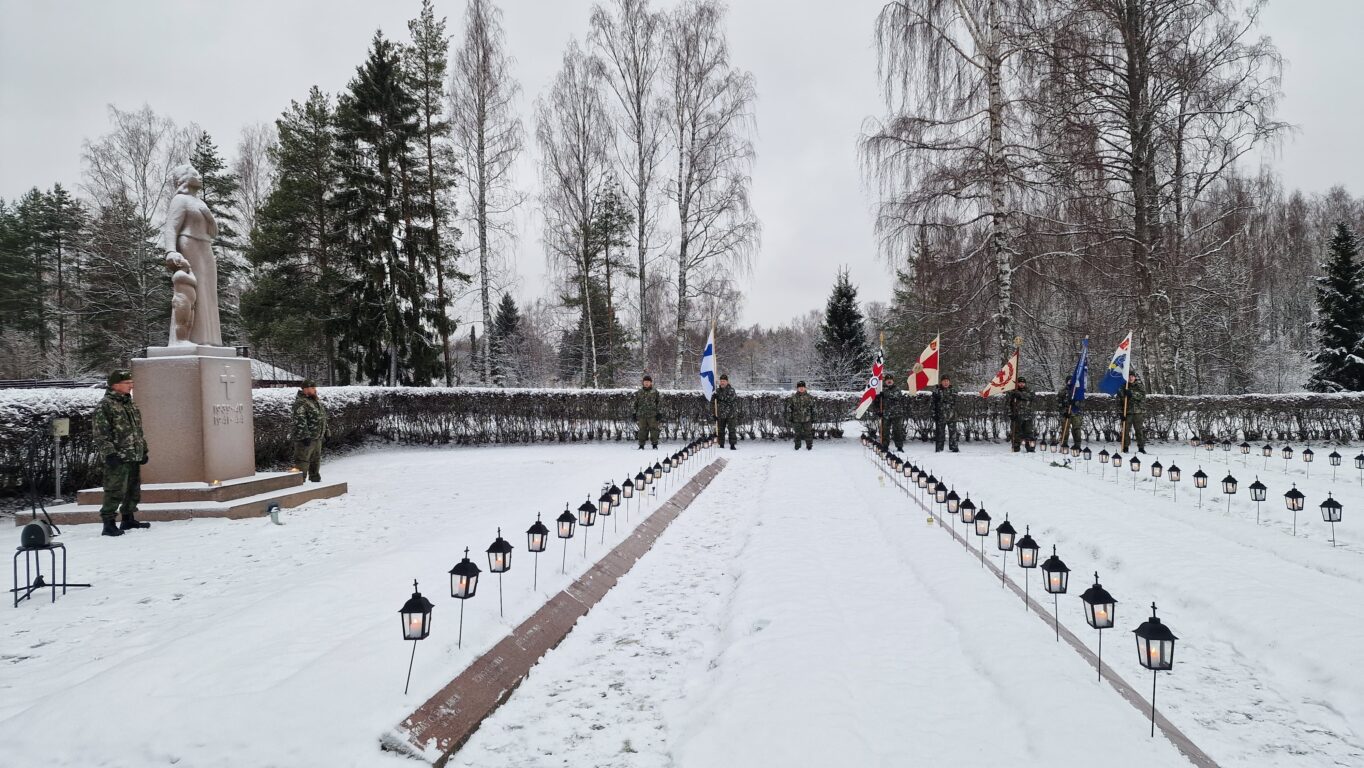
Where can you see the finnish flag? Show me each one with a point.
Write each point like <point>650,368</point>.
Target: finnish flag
<point>708,367</point>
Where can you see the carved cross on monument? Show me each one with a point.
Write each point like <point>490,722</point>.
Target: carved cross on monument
<point>228,379</point>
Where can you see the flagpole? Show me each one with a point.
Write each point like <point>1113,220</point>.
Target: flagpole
<point>1018,371</point>
<point>1125,385</point>
<point>714,403</point>
<point>882,407</point>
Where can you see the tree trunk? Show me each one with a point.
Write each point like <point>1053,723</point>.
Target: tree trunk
<point>999,217</point>
<point>486,371</point>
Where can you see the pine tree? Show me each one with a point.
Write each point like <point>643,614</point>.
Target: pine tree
<point>436,173</point>
<point>610,232</point>
<point>843,350</point>
<point>505,343</point>
<point>288,312</point>
<point>64,239</point>
<point>391,331</point>
<point>1338,365</point>
<point>576,360</point>
<point>125,296</point>
<point>219,193</point>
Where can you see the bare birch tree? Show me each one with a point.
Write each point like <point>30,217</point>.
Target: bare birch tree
<point>488,136</point>
<point>255,171</point>
<point>948,154</point>
<point>573,128</point>
<point>629,44</point>
<point>709,104</point>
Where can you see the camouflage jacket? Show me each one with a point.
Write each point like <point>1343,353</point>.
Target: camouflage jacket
<point>648,404</point>
<point>800,408</point>
<point>944,405</point>
<point>310,418</point>
<point>1019,402</point>
<point>891,402</point>
<point>118,428</point>
<point>1132,398</point>
<point>726,403</point>
<point>1064,405</point>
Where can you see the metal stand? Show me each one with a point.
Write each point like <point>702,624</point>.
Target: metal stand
<point>33,562</point>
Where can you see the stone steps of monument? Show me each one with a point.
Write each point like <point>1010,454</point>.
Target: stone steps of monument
<point>228,490</point>
<point>249,506</point>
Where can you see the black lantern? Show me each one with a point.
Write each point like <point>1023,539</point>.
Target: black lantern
<point>499,562</point>
<point>566,523</point>
<point>463,585</point>
<point>953,501</point>
<point>1267,450</point>
<point>1209,444</point>
<point>1229,488</point>
<point>1359,465</point>
<point>1087,454</point>
<point>537,539</point>
<point>982,523</point>
<point>1245,449</point>
<point>1333,458</point>
<point>1174,474</point>
<point>604,504</point>
<point>1330,512</point>
<point>1005,534</point>
<point>1293,499</point>
<point>587,517</point>
<point>640,480</point>
<point>627,490</point>
<point>1116,460</point>
<point>1031,442</point>
<point>1257,495</point>
<point>1287,454</point>
<point>1200,481</point>
<point>1156,652</point>
<point>941,493</point>
<point>615,495</point>
<point>1103,456</point>
<point>1099,611</point>
<point>1135,466</point>
<point>1307,456</point>
<point>1157,469</point>
<point>1194,441</point>
<point>968,511</point>
<point>1027,559</point>
<point>416,617</point>
<point>1055,446</point>
<point>1057,580</point>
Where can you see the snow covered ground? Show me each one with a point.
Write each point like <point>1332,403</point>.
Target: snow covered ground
<point>800,612</point>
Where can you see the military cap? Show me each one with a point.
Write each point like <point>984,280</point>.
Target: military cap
<point>122,374</point>
<point>308,384</point>
<point>800,384</point>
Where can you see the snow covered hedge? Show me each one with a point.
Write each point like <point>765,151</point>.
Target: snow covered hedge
<point>473,416</point>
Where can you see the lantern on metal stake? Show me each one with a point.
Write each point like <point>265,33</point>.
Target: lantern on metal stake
<point>1293,500</point>
<point>953,501</point>
<point>587,517</point>
<point>1088,456</point>
<point>537,539</point>
<point>499,562</point>
<point>566,523</point>
<point>1267,451</point>
<point>1135,465</point>
<point>982,530</point>
<point>627,492</point>
<point>1103,462</point>
<point>1005,541</point>
<point>1200,481</point>
<point>1229,488</point>
<point>604,510</point>
<point>968,518</point>
<point>416,617</point>
<point>1027,559</point>
<point>1334,459</point>
<point>1287,454</point>
<point>1156,471</point>
<point>1057,580</point>
<point>1307,456</point>
<point>1099,610</point>
<point>1257,495</point>
<point>1173,474</point>
<point>1156,652</point>
<point>1330,512</point>
<point>1359,465</point>
<point>463,585</point>
<point>1245,451</point>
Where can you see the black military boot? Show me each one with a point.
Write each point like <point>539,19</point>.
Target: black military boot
<point>655,446</point>
<point>129,523</point>
<point>798,445</point>
<point>733,447</point>
<point>110,529</point>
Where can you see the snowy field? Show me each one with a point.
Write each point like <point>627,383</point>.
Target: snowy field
<point>799,613</point>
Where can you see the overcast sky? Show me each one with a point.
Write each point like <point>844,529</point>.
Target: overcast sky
<point>227,64</point>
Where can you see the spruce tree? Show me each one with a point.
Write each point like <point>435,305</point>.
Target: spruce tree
<point>505,341</point>
<point>391,330</point>
<point>1338,365</point>
<point>288,311</point>
<point>219,193</point>
<point>844,353</point>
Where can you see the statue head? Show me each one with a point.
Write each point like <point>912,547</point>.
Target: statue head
<point>187,179</point>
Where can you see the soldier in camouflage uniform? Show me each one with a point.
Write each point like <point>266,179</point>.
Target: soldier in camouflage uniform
<point>1132,401</point>
<point>310,427</point>
<point>800,414</point>
<point>726,413</point>
<point>648,406</point>
<point>1020,414</point>
<point>119,440</point>
<point>891,404</point>
<point>1068,410</point>
<point>945,415</point>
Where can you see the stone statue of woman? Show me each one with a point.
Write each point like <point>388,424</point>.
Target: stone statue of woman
<point>188,240</point>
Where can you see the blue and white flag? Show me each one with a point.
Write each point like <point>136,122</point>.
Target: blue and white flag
<point>1081,372</point>
<point>1116,376</point>
<point>708,366</point>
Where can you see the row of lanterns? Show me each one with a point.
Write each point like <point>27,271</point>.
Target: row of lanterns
<point>1308,455</point>
<point>464,577</point>
<point>1155,641</point>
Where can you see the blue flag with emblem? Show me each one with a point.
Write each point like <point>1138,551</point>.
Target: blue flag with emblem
<point>708,366</point>
<point>1116,376</point>
<point>1081,372</point>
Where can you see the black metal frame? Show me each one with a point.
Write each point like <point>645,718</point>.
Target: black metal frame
<point>33,561</point>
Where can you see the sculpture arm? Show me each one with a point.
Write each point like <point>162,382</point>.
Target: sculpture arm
<point>175,219</point>
<point>209,221</point>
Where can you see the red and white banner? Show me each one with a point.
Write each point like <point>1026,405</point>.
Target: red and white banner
<point>878,367</point>
<point>1005,380</point>
<point>925,374</point>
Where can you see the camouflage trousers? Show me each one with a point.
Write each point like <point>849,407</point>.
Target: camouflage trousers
<point>895,432</point>
<point>1021,430</point>
<point>308,458</point>
<point>945,432</point>
<point>1076,433</point>
<point>648,430</point>
<point>726,425</point>
<point>804,431</point>
<point>1134,424</point>
<point>122,490</point>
